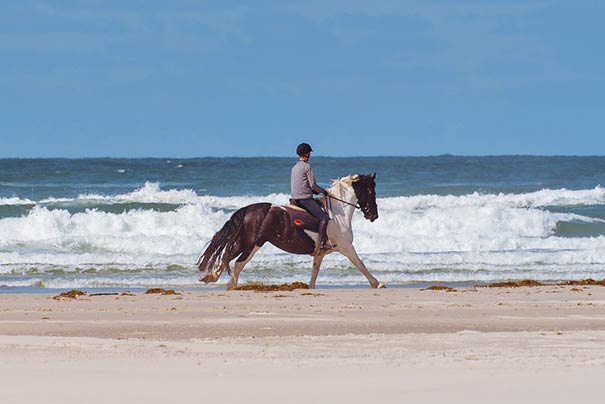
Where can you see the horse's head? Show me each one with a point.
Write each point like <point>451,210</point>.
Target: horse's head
<point>365,190</point>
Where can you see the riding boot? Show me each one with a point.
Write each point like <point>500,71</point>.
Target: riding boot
<point>323,237</point>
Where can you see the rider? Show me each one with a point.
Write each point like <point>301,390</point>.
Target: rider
<point>303,185</point>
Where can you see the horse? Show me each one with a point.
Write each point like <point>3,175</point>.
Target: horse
<point>292,229</point>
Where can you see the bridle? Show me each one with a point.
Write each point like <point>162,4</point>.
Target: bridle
<point>356,206</point>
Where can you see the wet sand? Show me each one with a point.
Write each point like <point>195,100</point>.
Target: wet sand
<point>533,344</point>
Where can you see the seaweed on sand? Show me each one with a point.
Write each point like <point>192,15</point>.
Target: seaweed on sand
<point>260,287</point>
<point>583,282</point>
<point>516,284</point>
<point>441,287</point>
<point>72,294</point>
<point>161,291</point>
<point>530,282</point>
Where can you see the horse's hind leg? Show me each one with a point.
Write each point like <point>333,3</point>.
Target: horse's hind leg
<point>241,262</point>
<point>212,276</point>
<point>317,259</point>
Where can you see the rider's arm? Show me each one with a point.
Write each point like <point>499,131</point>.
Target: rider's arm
<point>314,187</point>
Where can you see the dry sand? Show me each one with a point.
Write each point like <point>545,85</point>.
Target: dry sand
<point>522,345</point>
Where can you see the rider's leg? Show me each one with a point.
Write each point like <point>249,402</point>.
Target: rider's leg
<point>313,208</point>
<point>323,235</point>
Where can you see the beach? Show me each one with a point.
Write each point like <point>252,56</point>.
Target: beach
<point>152,151</point>
<point>529,344</point>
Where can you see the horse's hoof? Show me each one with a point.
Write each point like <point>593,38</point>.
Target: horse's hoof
<point>210,277</point>
<point>381,286</point>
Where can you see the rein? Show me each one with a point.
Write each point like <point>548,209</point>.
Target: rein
<point>348,203</point>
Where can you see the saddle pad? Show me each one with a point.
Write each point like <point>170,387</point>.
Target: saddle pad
<point>302,219</point>
<point>288,207</point>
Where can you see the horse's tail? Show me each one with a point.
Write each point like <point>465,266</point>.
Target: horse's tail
<point>223,247</point>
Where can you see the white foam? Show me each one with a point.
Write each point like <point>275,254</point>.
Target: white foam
<point>472,236</point>
<point>151,193</point>
<point>542,198</point>
<point>16,201</point>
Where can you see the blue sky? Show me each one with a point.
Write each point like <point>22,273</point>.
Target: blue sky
<point>351,77</point>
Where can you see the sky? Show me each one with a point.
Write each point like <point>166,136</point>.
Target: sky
<point>185,78</point>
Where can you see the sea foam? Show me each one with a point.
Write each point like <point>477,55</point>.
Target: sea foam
<point>15,201</point>
<point>417,238</point>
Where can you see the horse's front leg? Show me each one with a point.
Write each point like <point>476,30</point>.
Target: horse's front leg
<point>351,254</point>
<point>317,259</point>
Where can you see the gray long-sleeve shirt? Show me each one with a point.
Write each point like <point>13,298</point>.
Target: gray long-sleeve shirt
<point>302,181</point>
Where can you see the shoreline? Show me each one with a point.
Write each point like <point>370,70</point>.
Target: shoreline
<point>217,287</point>
<point>530,344</point>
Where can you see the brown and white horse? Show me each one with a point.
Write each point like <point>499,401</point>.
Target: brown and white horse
<point>293,230</point>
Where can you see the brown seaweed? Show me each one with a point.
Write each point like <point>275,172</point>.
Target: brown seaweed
<point>261,287</point>
<point>516,284</point>
<point>441,287</point>
<point>161,291</point>
<point>531,283</point>
<point>583,282</point>
<point>72,294</point>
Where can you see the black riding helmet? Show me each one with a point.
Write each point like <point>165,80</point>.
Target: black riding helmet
<point>303,149</point>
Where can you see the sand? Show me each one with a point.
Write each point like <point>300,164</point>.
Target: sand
<point>533,344</point>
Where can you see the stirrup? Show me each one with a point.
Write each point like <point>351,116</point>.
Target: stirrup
<point>327,246</point>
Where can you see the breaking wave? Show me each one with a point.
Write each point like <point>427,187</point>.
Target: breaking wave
<point>470,237</point>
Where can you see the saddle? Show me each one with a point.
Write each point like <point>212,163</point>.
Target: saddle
<point>301,218</point>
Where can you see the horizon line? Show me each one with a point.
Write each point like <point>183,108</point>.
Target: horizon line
<point>293,157</point>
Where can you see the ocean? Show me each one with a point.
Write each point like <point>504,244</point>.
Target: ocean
<point>139,223</point>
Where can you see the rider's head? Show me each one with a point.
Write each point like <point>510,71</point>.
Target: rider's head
<point>304,150</point>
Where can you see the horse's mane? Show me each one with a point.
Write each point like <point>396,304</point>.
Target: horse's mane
<point>336,188</point>
<point>348,179</point>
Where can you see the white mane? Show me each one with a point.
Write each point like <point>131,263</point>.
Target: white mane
<point>342,187</point>
<point>349,179</point>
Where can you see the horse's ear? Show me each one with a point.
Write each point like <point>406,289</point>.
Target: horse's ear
<point>355,177</point>
<point>374,176</point>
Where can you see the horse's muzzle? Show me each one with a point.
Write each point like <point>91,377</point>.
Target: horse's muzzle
<point>371,218</point>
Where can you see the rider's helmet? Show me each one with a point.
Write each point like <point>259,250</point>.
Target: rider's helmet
<point>303,149</point>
